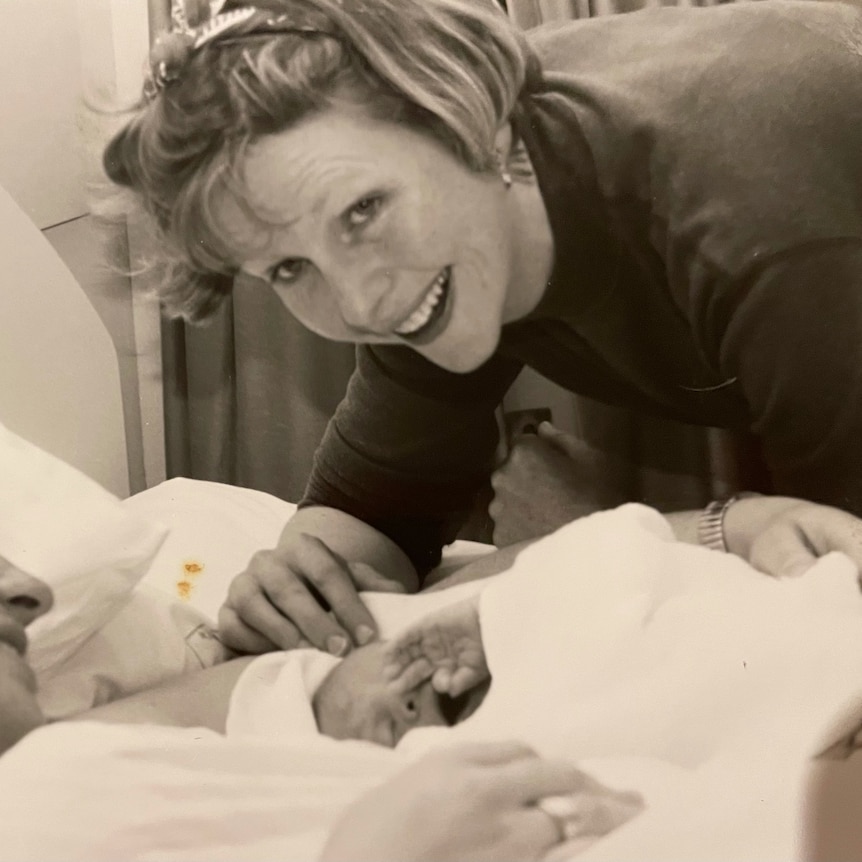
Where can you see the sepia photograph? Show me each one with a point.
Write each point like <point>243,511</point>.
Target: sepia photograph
<point>431,430</point>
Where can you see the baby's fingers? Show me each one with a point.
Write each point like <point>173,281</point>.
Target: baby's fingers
<point>403,678</point>
<point>462,679</point>
<point>442,681</point>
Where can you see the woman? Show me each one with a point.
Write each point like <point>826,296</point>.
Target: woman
<point>659,210</point>
<point>23,599</point>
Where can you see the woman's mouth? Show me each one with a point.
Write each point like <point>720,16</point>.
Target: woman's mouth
<point>430,310</point>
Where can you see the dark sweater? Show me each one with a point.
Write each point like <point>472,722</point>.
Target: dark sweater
<point>702,172</point>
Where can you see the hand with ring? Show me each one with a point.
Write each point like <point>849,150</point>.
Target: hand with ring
<point>584,817</point>
<point>478,803</point>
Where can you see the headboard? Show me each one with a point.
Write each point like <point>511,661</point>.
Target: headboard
<point>59,376</point>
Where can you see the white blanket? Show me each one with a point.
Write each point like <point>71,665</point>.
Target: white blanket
<point>669,669</point>
<point>87,792</point>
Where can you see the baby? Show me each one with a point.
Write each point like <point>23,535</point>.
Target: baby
<point>356,700</point>
<point>435,674</point>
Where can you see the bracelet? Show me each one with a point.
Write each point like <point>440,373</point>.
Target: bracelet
<point>710,524</point>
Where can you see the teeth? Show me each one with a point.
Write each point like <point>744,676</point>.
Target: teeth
<point>423,314</point>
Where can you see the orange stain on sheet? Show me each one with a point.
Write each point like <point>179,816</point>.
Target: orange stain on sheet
<point>191,569</point>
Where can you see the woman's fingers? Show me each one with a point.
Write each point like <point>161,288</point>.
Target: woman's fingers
<point>240,637</point>
<point>835,530</point>
<point>261,616</point>
<point>306,616</point>
<point>782,551</point>
<point>528,779</point>
<point>801,534</point>
<point>330,576</point>
<point>292,595</point>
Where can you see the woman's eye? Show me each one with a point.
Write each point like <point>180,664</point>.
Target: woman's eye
<point>287,271</point>
<point>363,211</point>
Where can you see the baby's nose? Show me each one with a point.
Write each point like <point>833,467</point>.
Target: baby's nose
<point>22,596</point>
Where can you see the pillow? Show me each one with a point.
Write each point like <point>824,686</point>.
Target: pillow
<point>167,625</point>
<point>150,640</point>
<point>64,528</point>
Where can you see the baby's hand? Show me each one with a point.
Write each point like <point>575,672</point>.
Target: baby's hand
<point>445,646</point>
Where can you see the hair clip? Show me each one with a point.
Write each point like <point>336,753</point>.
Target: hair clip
<point>168,56</point>
<point>222,22</point>
<point>172,51</point>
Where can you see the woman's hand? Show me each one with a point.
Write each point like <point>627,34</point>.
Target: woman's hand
<point>278,601</point>
<point>476,802</point>
<point>783,536</point>
<point>446,646</point>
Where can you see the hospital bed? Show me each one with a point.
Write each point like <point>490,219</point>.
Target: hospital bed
<point>137,602</point>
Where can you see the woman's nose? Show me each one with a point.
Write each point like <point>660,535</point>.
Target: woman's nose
<point>361,287</point>
<point>22,596</point>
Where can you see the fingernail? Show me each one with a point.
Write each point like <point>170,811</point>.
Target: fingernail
<point>364,635</point>
<point>336,644</point>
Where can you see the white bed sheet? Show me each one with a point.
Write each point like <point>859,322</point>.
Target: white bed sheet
<point>86,792</point>
<point>150,793</point>
<point>214,531</point>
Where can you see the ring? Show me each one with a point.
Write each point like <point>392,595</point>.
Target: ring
<point>566,812</point>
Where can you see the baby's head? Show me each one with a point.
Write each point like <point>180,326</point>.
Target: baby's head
<point>355,701</point>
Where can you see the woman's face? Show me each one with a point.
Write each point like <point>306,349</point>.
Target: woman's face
<point>22,599</point>
<point>374,233</point>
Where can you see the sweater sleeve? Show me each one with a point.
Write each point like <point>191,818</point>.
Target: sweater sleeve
<point>410,446</point>
<point>793,341</point>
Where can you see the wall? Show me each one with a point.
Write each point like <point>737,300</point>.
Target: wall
<point>65,67</point>
<point>39,71</point>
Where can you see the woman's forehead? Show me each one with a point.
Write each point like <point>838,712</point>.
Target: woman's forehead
<point>302,166</point>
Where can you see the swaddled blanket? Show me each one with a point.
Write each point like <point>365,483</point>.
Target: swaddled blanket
<point>661,664</point>
<point>611,639</point>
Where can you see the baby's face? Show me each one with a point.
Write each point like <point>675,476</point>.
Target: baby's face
<point>355,702</point>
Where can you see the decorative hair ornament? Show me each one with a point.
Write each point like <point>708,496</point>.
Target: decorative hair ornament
<point>221,23</point>
<point>172,51</point>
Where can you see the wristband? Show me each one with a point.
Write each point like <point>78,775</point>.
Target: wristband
<point>710,524</point>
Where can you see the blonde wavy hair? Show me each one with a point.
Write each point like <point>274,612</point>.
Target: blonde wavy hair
<point>452,69</point>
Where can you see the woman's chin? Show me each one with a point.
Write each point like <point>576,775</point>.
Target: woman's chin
<point>461,355</point>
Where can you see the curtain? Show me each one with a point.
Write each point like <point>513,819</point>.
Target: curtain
<point>248,396</point>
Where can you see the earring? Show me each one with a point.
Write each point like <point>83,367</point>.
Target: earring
<point>503,170</point>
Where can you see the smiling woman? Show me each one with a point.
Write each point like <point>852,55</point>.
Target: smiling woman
<point>618,203</point>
